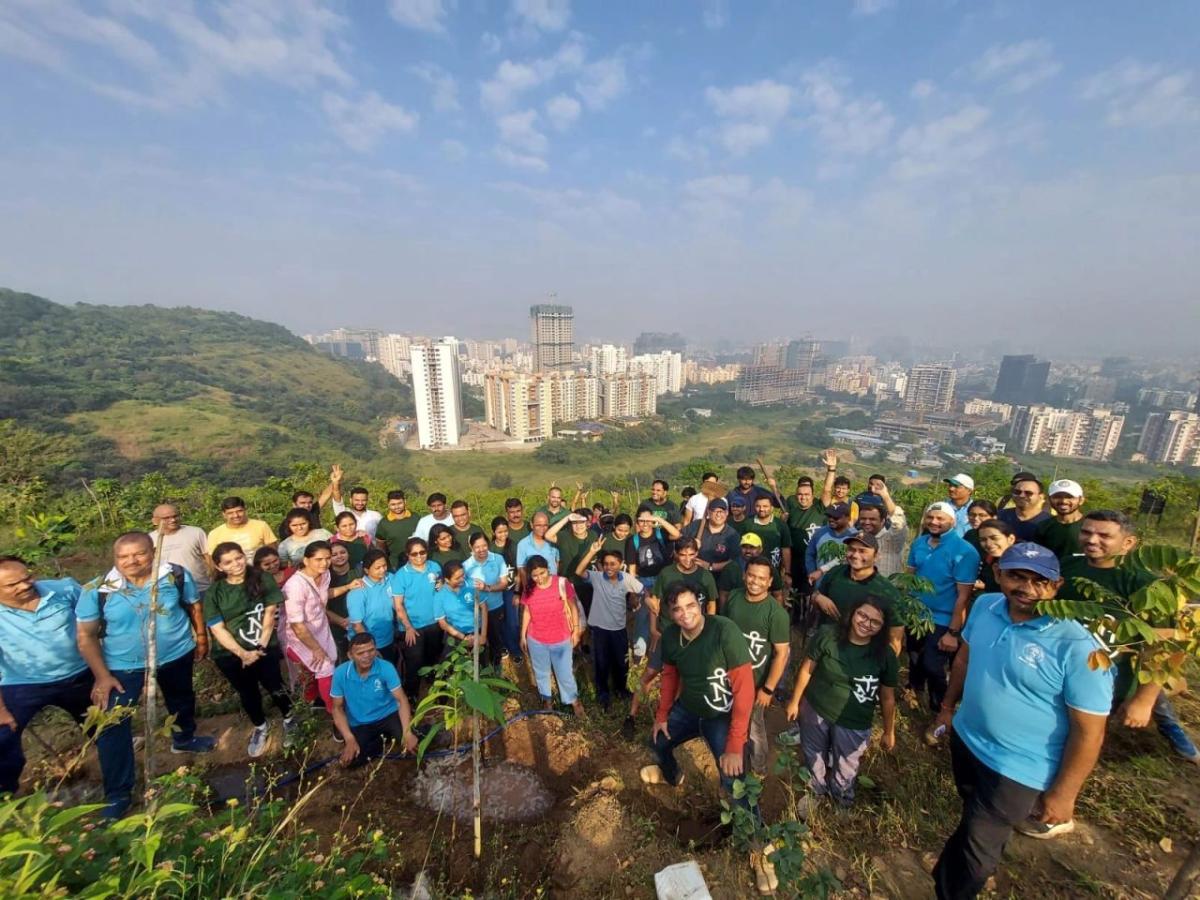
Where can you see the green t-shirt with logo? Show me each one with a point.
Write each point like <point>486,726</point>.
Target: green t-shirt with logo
<point>668,509</point>
<point>704,664</point>
<point>733,576</point>
<point>803,523</point>
<point>775,536</point>
<point>844,591</point>
<point>1061,538</point>
<point>845,683</point>
<point>395,533</point>
<point>763,625</point>
<point>700,581</point>
<point>244,620</point>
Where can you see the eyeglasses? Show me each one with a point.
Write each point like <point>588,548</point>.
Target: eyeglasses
<point>868,620</point>
<point>417,553</point>
<point>1024,493</point>
<point>645,521</point>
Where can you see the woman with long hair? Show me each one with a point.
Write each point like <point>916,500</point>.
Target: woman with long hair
<point>848,670</point>
<point>304,629</point>
<point>487,573</point>
<point>299,534</point>
<point>503,546</point>
<point>995,537</point>
<point>442,547</point>
<point>413,587</point>
<point>240,608</point>
<point>356,541</point>
<point>370,609</point>
<point>268,561</point>
<point>551,627</point>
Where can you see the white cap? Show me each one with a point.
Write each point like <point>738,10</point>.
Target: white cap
<point>946,509</point>
<point>962,480</point>
<point>1065,486</point>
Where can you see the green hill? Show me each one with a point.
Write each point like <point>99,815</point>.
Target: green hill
<point>192,393</point>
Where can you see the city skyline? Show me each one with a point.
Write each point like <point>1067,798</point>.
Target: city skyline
<point>908,167</point>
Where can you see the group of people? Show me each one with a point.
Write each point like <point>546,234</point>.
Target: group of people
<point>704,596</point>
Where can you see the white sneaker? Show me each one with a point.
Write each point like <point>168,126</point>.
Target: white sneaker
<point>258,741</point>
<point>639,647</point>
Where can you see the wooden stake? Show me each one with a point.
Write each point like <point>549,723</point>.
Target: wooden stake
<point>151,716</point>
<point>475,753</point>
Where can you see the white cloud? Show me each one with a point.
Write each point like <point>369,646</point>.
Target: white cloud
<point>509,81</point>
<point>562,111</point>
<point>872,7</point>
<point>1017,67</point>
<point>945,146</point>
<point>361,124</point>
<point>1143,95</point>
<point>445,88</point>
<point>847,125</point>
<point>725,187</point>
<point>922,90</point>
<point>764,101</point>
<point>518,129</point>
<point>489,43</point>
<point>714,14</point>
<point>422,15</point>
<point>545,15</point>
<point>602,81</point>
<point>685,151</point>
<point>454,151</point>
<point>520,160</point>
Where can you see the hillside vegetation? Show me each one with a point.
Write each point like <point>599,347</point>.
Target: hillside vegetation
<point>123,390</point>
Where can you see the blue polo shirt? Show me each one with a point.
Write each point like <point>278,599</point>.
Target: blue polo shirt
<point>127,610</point>
<point>1021,678</point>
<point>488,572</point>
<point>371,604</point>
<point>369,697</point>
<point>417,589</point>
<point>457,607</point>
<point>961,523</point>
<point>526,548</point>
<point>951,563</point>
<point>38,646</point>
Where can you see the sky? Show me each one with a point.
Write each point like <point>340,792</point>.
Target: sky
<point>951,171</point>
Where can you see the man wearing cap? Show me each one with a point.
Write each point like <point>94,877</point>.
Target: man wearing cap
<point>961,488</point>
<point>738,520</point>
<point>1060,532</point>
<point>844,585</point>
<point>880,516</point>
<point>1027,713</point>
<point>734,576</point>
<point>837,528</point>
<point>718,541</point>
<point>951,566</point>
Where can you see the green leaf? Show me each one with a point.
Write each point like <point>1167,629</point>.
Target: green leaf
<point>866,781</point>
<point>69,815</point>
<point>427,740</point>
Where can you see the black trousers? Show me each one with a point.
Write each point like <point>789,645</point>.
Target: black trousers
<point>24,701</point>
<point>928,666</point>
<point>251,681</point>
<point>992,805</point>
<point>427,651</point>
<point>610,661</point>
<point>374,738</point>
<point>495,635</point>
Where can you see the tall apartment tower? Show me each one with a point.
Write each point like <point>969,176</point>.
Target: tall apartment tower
<point>930,388</point>
<point>1022,380</point>
<point>552,331</point>
<point>437,394</point>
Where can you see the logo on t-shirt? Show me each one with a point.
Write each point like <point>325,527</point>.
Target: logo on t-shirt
<point>251,631</point>
<point>811,530</point>
<point>378,685</point>
<point>866,689</point>
<point>1032,656</point>
<point>720,696</point>
<point>757,644</point>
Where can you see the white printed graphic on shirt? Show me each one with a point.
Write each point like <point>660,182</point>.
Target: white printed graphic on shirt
<point>1032,655</point>
<point>866,689</point>
<point>722,694</point>
<point>757,648</point>
<point>251,631</point>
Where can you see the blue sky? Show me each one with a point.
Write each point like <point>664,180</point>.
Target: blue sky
<point>952,171</point>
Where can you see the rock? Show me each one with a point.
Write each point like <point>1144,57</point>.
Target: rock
<point>420,889</point>
<point>682,881</point>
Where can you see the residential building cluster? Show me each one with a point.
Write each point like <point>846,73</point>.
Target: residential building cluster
<point>1172,438</point>
<point>1068,433</point>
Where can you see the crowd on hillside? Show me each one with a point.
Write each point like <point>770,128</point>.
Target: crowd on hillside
<point>707,595</point>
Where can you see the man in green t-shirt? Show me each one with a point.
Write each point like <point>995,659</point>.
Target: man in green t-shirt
<point>461,526</point>
<point>1105,536</point>
<point>765,626</point>
<point>844,585</point>
<point>556,508</point>
<point>804,515</point>
<point>395,528</point>
<point>518,528</point>
<point>776,540</point>
<point>739,515</point>
<point>1060,533</point>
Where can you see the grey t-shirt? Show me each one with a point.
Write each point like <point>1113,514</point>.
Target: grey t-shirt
<point>188,547</point>
<point>608,599</point>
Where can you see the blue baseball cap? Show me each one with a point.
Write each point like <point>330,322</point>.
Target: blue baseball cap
<point>1031,557</point>
<point>868,499</point>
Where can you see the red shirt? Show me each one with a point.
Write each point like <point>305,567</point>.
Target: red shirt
<point>547,616</point>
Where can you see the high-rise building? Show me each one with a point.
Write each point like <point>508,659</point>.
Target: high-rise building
<point>606,359</point>
<point>628,396</point>
<point>930,388</point>
<point>658,341</point>
<point>1022,380</point>
<point>395,353</point>
<point>767,385</point>
<point>772,354</point>
<point>1172,438</point>
<point>437,394</point>
<point>666,367</point>
<point>552,331</point>
<point>1001,412</point>
<point>528,406</point>
<point>1062,432</point>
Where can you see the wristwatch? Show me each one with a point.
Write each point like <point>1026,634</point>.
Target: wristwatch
<point>954,633</point>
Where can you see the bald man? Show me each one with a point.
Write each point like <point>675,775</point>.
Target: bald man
<point>184,545</point>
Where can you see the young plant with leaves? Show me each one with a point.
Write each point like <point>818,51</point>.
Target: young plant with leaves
<point>911,611</point>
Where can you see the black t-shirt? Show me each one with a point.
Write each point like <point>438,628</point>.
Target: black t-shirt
<point>653,555</point>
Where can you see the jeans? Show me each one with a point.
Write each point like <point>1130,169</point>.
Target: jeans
<point>1169,727</point>
<point>992,805</point>
<point>250,681</point>
<point>373,737</point>
<point>832,753</point>
<point>641,619</point>
<point>927,665</point>
<point>760,747</point>
<point>610,661</point>
<point>557,657</point>
<point>115,743</point>
<point>512,626</point>
<point>24,701</point>
<point>427,651</point>
<point>685,726</point>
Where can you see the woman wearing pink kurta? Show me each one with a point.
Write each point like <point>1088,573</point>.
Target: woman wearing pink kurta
<point>304,627</point>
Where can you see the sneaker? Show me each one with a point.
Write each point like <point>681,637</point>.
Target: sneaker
<point>337,737</point>
<point>934,735</point>
<point>629,728</point>
<point>1044,831</point>
<point>1179,740</point>
<point>654,775</point>
<point>258,741</point>
<point>639,647</point>
<point>789,738</point>
<point>194,744</point>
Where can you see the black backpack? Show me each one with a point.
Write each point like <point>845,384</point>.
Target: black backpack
<point>176,576</point>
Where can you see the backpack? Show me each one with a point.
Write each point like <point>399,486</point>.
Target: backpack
<point>176,577</point>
